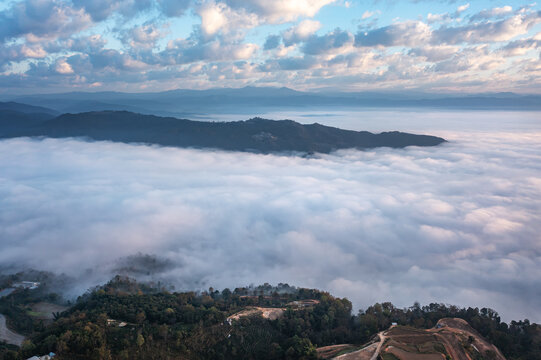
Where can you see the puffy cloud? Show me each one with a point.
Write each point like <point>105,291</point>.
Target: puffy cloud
<point>280,11</point>
<point>36,34</point>
<point>409,33</point>
<point>502,30</point>
<point>272,42</point>
<point>520,47</point>
<point>447,17</point>
<point>367,14</point>
<point>174,8</point>
<point>435,53</point>
<point>463,8</point>
<point>301,32</point>
<point>328,43</point>
<point>63,67</point>
<point>84,44</point>
<point>230,16</point>
<point>41,19</point>
<point>19,52</point>
<point>217,16</point>
<point>438,18</point>
<point>143,37</point>
<point>476,58</point>
<point>183,51</point>
<point>492,13</point>
<point>290,63</point>
<point>102,9</point>
<point>398,222</point>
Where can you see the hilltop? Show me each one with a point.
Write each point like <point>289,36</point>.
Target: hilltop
<point>451,338</point>
<point>124,319</point>
<point>254,135</point>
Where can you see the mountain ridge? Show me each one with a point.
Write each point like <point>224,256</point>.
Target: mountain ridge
<point>178,102</point>
<point>254,135</point>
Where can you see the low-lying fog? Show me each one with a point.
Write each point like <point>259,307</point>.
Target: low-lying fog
<point>458,223</point>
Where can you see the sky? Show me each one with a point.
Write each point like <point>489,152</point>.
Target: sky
<point>445,46</point>
<point>458,223</point>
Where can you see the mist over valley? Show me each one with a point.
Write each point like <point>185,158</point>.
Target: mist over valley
<point>456,223</point>
<point>270,180</point>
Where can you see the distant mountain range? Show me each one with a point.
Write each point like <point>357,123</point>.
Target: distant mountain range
<point>255,135</point>
<point>186,103</point>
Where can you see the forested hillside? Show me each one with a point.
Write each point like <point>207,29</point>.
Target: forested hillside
<point>127,320</point>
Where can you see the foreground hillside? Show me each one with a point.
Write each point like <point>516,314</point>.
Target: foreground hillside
<point>451,338</point>
<point>256,135</point>
<point>126,320</point>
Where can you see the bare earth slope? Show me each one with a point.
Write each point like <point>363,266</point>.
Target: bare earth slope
<point>450,339</point>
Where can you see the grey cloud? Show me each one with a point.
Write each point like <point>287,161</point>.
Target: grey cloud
<point>102,9</point>
<point>502,30</point>
<point>84,44</point>
<point>520,47</point>
<point>143,37</point>
<point>497,12</point>
<point>41,18</point>
<point>272,42</point>
<point>290,63</point>
<point>434,53</point>
<point>457,223</point>
<point>279,11</point>
<point>410,33</point>
<point>338,38</point>
<point>42,49</point>
<point>174,8</point>
<point>108,58</point>
<point>188,51</point>
<point>470,58</point>
<point>19,52</point>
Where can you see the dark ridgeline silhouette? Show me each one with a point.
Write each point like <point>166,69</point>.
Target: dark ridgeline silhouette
<point>255,135</point>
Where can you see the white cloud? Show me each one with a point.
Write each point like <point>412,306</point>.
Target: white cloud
<point>234,14</point>
<point>37,20</point>
<point>492,13</point>
<point>463,8</point>
<point>21,51</point>
<point>520,47</point>
<point>62,67</point>
<point>143,37</point>
<point>502,30</point>
<point>408,33</point>
<point>174,8</point>
<point>333,42</point>
<point>300,32</point>
<point>280,11</point>
<point>217,16</point>
<point>102,9</point>
<point>435,53</point>
<point>367,14</point>
<point>425,224</point>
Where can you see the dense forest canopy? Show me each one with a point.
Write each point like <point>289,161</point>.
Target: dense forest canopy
<point>127,320</point>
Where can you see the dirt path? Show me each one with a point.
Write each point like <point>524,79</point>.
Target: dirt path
<point>7,335</point>
<point>370,352</point>
<point>362,354</point>
<point>382,339</point>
